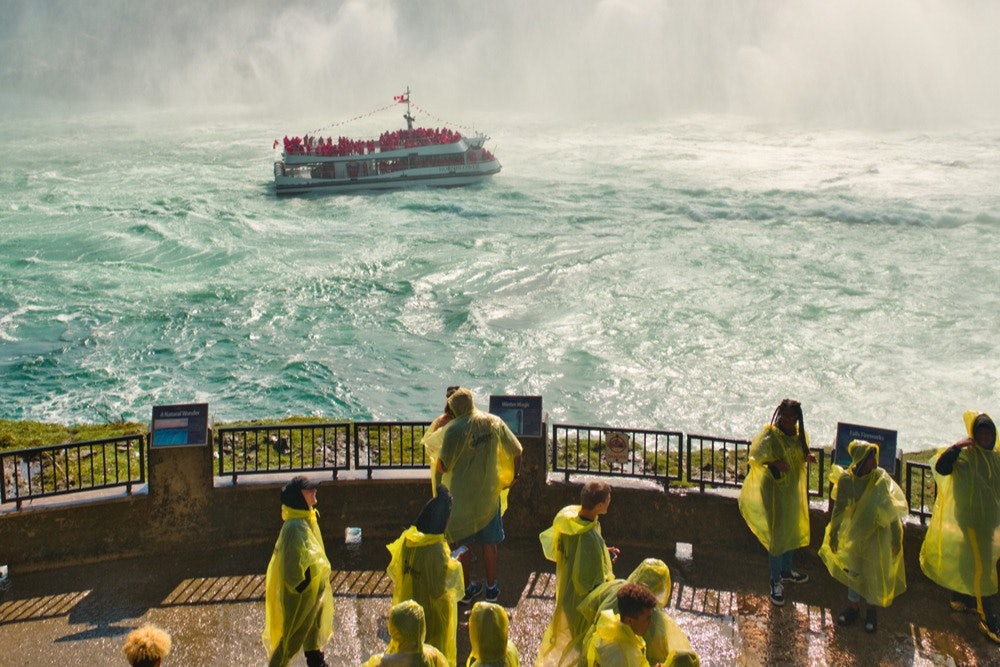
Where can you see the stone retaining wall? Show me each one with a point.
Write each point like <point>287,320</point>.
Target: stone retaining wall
<point>187,509</point>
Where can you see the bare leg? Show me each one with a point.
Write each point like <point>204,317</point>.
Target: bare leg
<point>490,563</point>
<point>465,560</point>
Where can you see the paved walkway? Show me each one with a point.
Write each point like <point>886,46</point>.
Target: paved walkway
<point>212,604</point>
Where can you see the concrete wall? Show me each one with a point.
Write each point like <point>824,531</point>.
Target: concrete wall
<point>187,509</point>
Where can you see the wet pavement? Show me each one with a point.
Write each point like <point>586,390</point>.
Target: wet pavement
<point>212,605</point>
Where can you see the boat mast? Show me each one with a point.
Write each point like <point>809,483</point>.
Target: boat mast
<point>407,116</point>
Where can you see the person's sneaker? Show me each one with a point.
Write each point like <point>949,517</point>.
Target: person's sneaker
<point>991,628</point>
<point>493,592</point>
<point>848,616</point>
<point>794,577</point>
<point>777,593</point>
<point>871,620</point>
<point>472,591</point>
<point>964,605</point>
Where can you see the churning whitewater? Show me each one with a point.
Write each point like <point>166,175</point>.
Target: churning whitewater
<point>685,274</point>
<point>703,208</point>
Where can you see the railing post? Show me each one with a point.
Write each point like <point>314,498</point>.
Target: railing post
<point>180,486</point>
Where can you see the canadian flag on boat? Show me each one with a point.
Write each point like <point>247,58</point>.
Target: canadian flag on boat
<point>399,98</point>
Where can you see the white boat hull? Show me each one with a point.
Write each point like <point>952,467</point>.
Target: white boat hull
<point>430,177</point>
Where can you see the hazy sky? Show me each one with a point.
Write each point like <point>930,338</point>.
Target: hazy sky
<point>879,63</point>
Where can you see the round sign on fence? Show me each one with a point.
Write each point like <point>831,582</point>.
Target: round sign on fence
<point>616,447</point>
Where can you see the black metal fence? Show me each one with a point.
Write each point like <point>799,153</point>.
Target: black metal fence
<point>256,450</point>
<point>725,462</point>
<point>717,462</point>
<point>72,467</point>
<point>920,494</point>
<point>600,450</point>
<point>389,445</point>
<point>666,457</point>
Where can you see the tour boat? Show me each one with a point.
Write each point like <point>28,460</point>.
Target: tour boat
<point>408,158</point>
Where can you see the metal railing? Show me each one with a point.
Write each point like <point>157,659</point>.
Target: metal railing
<point>710,461</point>
<point>257,450</point>
<point>925,489</point>
<point>389,445</point>
<point>617,452</point>
<point>72,467</point>
<point>716,462</point>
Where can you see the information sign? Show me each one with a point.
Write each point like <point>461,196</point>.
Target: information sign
<point>523,414</point>
<point>884,438</point>
<point>180,425</point>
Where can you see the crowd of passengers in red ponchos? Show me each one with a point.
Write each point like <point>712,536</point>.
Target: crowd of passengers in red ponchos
<point>387,142</point>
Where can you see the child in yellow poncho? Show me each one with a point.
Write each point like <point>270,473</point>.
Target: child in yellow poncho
<point>423,570</point>
<point>666,643</point>
<point>488,636</point>
<point>962,544</point>
<point>617,638</point>
<point>583,562</point>
<point>774,501</point>
<point>863,546</point>
<point>298,612</point>
<point>406,640</point>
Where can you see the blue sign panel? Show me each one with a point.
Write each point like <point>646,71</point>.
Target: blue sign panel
<point>180,425</point>
<point>884,438</point>
<point>523,414</point>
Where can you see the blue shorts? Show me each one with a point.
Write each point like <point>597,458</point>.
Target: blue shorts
<point>491,533</point>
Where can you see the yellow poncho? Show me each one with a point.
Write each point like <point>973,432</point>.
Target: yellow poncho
<point>488,627</point>
<point>422,569</point>
<point>295,619</point>
<point>613,644</point>
<point>962,544</point>
<point>406,641</point>
<point>666,643</point>
<point>776,510</point>
<point>582,563</point>
<point>478,451</point>
<point>867,528</point>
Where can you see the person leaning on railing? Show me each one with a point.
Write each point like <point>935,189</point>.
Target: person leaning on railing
<point>477,456</point>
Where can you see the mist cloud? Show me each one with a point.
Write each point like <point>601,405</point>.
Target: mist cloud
<point>854,62</point>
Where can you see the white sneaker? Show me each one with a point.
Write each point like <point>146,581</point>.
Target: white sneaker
<point>777,593</point>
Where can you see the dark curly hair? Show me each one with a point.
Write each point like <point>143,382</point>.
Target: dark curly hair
<point>633,598</point>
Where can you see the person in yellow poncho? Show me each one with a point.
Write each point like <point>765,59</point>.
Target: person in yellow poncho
<point>617,638</point>
<point>774,501</point>
<point>962,544</point>
<point>583,562</point>
<point>488,626</point>
<point>423,570</point>
<point>406,640</point>
<point>298,611</point>
<point>666,643</point>
<point>863,545</point>
<point>477,456</point>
